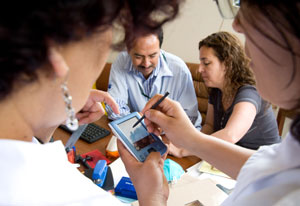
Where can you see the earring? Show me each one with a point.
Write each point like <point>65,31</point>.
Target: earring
<point>71,122</point>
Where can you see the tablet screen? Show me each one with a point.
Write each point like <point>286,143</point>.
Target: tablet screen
<point>137,136</point>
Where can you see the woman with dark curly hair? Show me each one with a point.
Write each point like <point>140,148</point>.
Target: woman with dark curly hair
<point>235,112</point>
<point>51,53</point>
<point>271,174</point>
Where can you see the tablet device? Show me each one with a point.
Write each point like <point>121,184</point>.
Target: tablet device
<point>137,140</point>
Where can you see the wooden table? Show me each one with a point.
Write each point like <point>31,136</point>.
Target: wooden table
<point>84,147</point>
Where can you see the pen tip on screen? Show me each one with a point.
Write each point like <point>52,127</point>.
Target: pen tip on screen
<point>153,107</point>
<point>135,124</point>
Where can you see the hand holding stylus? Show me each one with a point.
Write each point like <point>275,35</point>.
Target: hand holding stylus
<point>153,107</point>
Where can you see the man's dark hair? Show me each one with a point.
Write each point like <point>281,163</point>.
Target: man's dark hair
<point>26,27</point>
<point>145,32</point>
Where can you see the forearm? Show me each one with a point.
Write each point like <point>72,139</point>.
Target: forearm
<point>227,135</point>
<point>223,155</point>
<point>238,124</point>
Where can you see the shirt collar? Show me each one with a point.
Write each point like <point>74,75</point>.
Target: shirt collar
<point>164,66</point>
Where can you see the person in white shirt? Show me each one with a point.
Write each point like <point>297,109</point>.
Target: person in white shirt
<point>271,175</point>
<point>51,54</point>
<point>145,70</point>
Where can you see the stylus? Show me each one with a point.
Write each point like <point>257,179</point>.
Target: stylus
<point>153,107</point>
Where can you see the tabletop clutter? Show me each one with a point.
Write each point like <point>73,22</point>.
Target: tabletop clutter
<point>112,177</point>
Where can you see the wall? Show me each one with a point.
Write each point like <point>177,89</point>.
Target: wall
<point>197,19</point>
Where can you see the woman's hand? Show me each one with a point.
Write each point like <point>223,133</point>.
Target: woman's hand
<point>170,118</point>
<point>147,177</point>
<point>93,110</point>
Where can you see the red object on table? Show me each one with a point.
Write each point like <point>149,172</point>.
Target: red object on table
<point>95,156</point>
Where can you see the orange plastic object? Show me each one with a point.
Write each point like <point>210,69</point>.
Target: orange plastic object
<point>114,154</point>
<point>71,156</point>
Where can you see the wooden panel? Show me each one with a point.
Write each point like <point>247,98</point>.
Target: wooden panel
<point>102,81</point>
<point>282,114</point>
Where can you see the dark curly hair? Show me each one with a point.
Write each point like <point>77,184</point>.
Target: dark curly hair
<point>228,49</point>
<point>284,16</point>
<point>27,26</point>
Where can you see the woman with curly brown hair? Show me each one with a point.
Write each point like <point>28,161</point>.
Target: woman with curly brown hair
<point>236,112</point>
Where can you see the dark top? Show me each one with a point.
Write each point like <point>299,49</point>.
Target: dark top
<point>263,131</point>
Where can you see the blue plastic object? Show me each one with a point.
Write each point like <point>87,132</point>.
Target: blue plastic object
<point>125,188</point>
<point>100,172</point>
<point>172,170</point>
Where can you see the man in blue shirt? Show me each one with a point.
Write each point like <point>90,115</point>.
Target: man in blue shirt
<point>146,70</point>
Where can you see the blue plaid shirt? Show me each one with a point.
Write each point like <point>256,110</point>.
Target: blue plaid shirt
<point>132,91</point>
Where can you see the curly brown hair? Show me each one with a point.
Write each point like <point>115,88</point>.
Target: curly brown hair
<point>228,49</point>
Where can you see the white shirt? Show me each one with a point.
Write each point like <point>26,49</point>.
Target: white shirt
<point>132,91</point>
<point>271,176</point>
<point>36,174</point>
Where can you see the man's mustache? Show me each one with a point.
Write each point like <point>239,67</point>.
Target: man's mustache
<point>143,67</point>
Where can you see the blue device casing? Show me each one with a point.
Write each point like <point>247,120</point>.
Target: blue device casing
<point>141,155</point>
<point>125,188</point>
<point>99,173</point>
